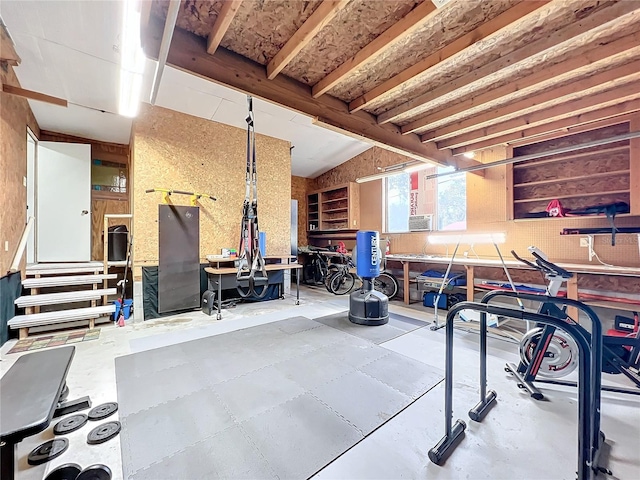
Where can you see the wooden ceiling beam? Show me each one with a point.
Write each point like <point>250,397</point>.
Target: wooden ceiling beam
<point>588,103</point>
<point>188,53</point>
<point>506,18</point>
<point>319,19</point>
<point>604,16</point>
<point>541,101</point>
<point>604,117</point>
<point>406,26</point>
<point>598,53</point>
<point>223,20</point>
<point>30,94</point>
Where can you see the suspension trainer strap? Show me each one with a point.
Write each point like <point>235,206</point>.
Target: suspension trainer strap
<point>251,269</point>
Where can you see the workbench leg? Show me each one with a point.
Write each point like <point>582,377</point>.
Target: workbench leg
<point>23,333</point>
<point>406,282</point>
<point>8,454</point>
<point>298,287</point>
<point>470,280</point>
<point>36,291</point>
<point>572,293</point>
<point>219,314</point>
<point>92,323</point>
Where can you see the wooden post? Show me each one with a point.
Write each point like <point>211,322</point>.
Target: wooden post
<point>23,333</point>
<point>406,282</point>
<point>470,280</point>
<point>92,323</point>
<point>572,293</point>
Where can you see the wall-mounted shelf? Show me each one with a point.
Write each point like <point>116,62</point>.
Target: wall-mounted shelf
<point>333,209</point>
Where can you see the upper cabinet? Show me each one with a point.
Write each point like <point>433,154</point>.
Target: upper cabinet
<point>335,208</point>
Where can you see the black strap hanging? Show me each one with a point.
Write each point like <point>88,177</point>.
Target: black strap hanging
<point>252,280</point>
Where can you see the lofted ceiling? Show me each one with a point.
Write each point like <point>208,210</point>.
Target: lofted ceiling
<point>432,83</point>
<point>71,50</point>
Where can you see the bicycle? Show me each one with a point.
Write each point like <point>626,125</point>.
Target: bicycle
<point>343,281</point>
<point>318,270</point>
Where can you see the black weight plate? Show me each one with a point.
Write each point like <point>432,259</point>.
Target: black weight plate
<point>95,472</point>
<point>68,471</point>
<point>103,411</point>
<point>70,424</point>
<point>48,451</point>
<point>103,432</point>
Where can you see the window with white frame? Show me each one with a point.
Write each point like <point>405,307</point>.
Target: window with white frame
<point>414,195</point>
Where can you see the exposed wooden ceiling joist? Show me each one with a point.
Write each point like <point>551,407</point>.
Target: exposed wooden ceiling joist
<point>537,102</point>
<point>597,101</point>
<point>598,53</point>
<point>587,121</point>
<point>409,24</point>
<point>188,52</point>
<point>484,30</point>
<point>8,52</point>
<point>225,17</point>
<point>321,16</point>
<point>601,17</point>
<point>41,97</point>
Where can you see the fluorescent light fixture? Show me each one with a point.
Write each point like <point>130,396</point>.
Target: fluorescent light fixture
<point>467,238</point>
<point>132,60</point>
<point>417,167</point>
<point>395,170</point>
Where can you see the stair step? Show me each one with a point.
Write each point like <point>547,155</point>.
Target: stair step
<point>63,268</point>
<point>65,271</point>
<point>63,297</point>
<point>65,281</point>
<point>61,316</point>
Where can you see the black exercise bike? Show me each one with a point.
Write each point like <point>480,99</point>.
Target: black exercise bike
<point>548,352</point>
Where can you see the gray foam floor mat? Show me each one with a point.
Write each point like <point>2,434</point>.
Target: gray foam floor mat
<point>280,400</point>
<point>398,325</point>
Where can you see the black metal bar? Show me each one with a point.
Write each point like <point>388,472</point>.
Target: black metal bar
<point>594,339</point>
<point>453,433</point>
<point>606,388</point>
<point>8,452</point>
<point>480,410</point>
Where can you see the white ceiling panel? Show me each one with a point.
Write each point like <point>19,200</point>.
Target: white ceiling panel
<point>187,100</point>
<point>82,122</point>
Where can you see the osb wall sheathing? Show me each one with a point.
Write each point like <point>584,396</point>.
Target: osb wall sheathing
<point>299,188</point>
<point>111,152</point>
<point>15,116</point>
<point>180,152</point>
<point>487,212</point>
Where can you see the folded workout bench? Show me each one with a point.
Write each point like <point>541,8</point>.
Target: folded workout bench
<point>30,395</point>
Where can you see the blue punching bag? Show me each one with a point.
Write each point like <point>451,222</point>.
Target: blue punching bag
<point>366,305</point>
<point>368,254</point>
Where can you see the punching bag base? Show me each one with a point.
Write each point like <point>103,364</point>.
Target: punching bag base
<point>368,308</point>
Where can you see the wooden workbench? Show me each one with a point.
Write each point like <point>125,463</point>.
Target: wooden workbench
<point>220,271</point>
<point>470,265</point>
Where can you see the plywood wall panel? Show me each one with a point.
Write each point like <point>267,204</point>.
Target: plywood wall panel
<point>300,186</point>
<point>180,152</point>
<point>487,211</point>
<point>98,209</point>
<point>15,116</point>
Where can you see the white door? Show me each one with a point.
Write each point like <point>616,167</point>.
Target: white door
<point>31,195</point>
<point>64,202</point>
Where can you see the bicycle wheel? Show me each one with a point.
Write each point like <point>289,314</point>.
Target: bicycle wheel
<point>387,284</point>
<point>332,270</point>
<point>342,282</point>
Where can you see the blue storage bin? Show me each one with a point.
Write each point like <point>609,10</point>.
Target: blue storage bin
<point>429,299</point>
<point>126,309</point>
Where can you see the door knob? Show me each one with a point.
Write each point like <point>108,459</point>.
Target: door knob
<point>85,212</point>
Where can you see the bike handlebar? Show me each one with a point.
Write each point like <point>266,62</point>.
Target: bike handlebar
<point>543,265</point>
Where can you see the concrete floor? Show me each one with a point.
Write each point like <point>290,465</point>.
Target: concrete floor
<point>520,438</point>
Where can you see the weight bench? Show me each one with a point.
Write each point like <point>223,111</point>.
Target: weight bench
<point>29,394</point>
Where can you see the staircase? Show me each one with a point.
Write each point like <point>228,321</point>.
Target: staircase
<point>85,276</point>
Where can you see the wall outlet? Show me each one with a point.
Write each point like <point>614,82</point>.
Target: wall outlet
<point>584,241</point>
<point>24,181</point>
<point>6,245</point>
